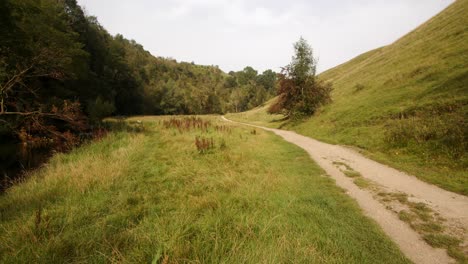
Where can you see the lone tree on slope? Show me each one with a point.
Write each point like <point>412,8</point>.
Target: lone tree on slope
<point>300,92</point>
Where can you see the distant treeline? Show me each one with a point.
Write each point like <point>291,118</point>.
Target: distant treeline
<point>60,70</point>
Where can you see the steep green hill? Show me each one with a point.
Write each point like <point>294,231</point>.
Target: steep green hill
<point>405,103</point>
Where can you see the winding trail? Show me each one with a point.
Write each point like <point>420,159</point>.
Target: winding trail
<point>451,206</point>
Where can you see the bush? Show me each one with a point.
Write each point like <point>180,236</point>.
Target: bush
<point>436,133</point>
<point>100,109</point>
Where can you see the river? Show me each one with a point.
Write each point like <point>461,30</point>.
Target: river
<point>17,158</point>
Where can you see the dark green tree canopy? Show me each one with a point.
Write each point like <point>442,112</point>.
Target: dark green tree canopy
<point>247,75</point>
<point>268,80</point>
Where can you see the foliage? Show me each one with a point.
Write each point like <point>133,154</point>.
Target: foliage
<point>299,92</point>
<point>248,89</point>
<point>187,124</point>
<point>39,51</point>
<point>60,126</point>
<point>50,51</point>
<point>204,145</point>
<point>100,109</point>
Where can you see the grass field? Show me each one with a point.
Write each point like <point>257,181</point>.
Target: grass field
<point>404,104</point>
<point>245,196</point>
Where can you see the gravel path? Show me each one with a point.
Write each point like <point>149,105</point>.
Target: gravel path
<point>452,207</point>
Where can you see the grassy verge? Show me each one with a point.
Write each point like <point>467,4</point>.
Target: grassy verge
<point>259,116</point>
<point>154,196</point>
<point>414,159</point>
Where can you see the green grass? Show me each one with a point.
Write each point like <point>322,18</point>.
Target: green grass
<point>450,243</point>
<point>404,104</point>
<point>428,224</point>
<point>259,116</point>
<point>362,182</point>
<point>151,196</point>
<point>339,164</point>
<point>357,177</point>
<point>352,173</point>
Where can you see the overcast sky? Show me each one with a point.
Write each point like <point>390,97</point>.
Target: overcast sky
<point>259,33</point>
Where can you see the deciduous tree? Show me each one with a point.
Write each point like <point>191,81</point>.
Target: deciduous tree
<point>299,91</point>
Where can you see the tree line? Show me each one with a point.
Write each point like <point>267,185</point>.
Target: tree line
<point>62,72</point>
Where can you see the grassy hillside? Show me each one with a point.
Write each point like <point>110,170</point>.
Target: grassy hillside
<point>152,196</point>
<point>404,104</point>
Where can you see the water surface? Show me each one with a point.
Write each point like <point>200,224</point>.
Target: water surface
<point>17,158</point>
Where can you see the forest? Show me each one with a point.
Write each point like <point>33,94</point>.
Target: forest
<point>61,72</point>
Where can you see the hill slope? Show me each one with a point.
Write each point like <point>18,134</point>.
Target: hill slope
<point>406,103</point>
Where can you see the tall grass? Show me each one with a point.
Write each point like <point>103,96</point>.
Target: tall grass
<point>151,197</point>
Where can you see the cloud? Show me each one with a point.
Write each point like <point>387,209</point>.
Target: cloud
<point>260,33</point>
<point>238,15</point>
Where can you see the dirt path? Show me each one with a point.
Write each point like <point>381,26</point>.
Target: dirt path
<point>452,207</point>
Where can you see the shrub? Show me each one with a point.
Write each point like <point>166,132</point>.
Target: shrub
<point>187,124</point>
<point>204,144</point>
<point>100,109</point>
<point>436,133</point>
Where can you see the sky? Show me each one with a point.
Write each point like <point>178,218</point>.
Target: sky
<point>260,33</point>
